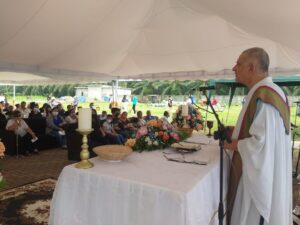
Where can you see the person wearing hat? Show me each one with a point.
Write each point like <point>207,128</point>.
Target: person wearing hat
<point>26,138</point>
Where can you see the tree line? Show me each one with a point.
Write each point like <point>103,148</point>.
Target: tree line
<point>43,90</point>
<point>145,87</point>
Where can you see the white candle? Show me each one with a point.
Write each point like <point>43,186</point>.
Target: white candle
<point>84,118</point>
<point>185,110</point>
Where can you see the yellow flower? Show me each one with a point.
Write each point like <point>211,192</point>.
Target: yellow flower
<point>130,142</point>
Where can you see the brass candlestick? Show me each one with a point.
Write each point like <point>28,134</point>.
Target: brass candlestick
<point>84,154</point>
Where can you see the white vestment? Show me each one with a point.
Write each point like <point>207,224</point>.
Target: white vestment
<point>265,187</point>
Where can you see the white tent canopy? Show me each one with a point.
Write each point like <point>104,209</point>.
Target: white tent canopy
<point>92,40</point>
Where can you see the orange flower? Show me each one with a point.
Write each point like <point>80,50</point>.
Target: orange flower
<point>199,116</point>
<point>199,126</point>
<point>152,123</point>
<point>159,123</point>
<point>2,149</point>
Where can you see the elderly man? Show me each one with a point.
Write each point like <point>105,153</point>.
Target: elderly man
<point>26,138</point>
<point>260,183</point>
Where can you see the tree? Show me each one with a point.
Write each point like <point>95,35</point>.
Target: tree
<point>174,87</point>
<point>144,87</point>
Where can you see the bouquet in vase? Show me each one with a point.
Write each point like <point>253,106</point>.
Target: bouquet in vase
<point>190,119</point>
<point>155,135</point>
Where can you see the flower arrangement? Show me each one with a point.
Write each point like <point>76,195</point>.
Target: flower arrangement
<point>155,135</point>
<point>193,120</point>
<point>2,150</point>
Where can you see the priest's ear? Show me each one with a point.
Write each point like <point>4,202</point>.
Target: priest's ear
<point>252,67</point>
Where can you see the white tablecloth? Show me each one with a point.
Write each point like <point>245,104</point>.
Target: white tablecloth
<point>144,189</point>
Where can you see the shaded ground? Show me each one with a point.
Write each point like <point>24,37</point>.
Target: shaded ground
<point>24,170</point>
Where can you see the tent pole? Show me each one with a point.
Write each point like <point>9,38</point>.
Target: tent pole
<point>14,94</point>
<point>113,91</point>
<point>117,86</point>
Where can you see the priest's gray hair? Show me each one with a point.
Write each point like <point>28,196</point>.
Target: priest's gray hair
<point>261,57</point>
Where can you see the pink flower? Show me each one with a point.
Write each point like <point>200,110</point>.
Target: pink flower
<point>141,132</point>
<point>175,136</point>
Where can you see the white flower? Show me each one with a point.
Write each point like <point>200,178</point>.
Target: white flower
<point>147,139</point>
<point>149,142</point>
<point>155,143</point>
<point>156,134</point>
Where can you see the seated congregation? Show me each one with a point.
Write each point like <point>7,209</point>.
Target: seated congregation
<point>26,130</point>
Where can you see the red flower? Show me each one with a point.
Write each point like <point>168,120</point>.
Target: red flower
<point>165,137</point>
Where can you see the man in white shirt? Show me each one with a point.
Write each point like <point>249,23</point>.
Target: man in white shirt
<point>260,183</point>
<point>24,110</point>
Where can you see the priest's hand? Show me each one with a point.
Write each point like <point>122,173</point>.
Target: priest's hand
<point>231,146</point>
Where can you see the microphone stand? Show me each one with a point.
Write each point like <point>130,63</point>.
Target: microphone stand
<point>221,134</point>
<point>205,110</point>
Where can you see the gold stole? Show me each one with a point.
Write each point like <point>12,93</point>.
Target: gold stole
<point>267,95</point>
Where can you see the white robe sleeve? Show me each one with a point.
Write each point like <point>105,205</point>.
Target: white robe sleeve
<point>263,154</point>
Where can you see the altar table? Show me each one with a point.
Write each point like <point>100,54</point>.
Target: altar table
<point>144,189</point>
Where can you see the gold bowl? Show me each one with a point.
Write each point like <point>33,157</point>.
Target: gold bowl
<point>112,153</point>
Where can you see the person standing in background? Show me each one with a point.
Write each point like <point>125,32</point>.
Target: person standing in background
<point>192,99</point>
<point>170,102</point>
<point>134,103</point>
<point>124,103</point>
<point>3,98</point>
<point>214,101</point>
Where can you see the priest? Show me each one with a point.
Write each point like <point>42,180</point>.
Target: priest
<point>260,182</point>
